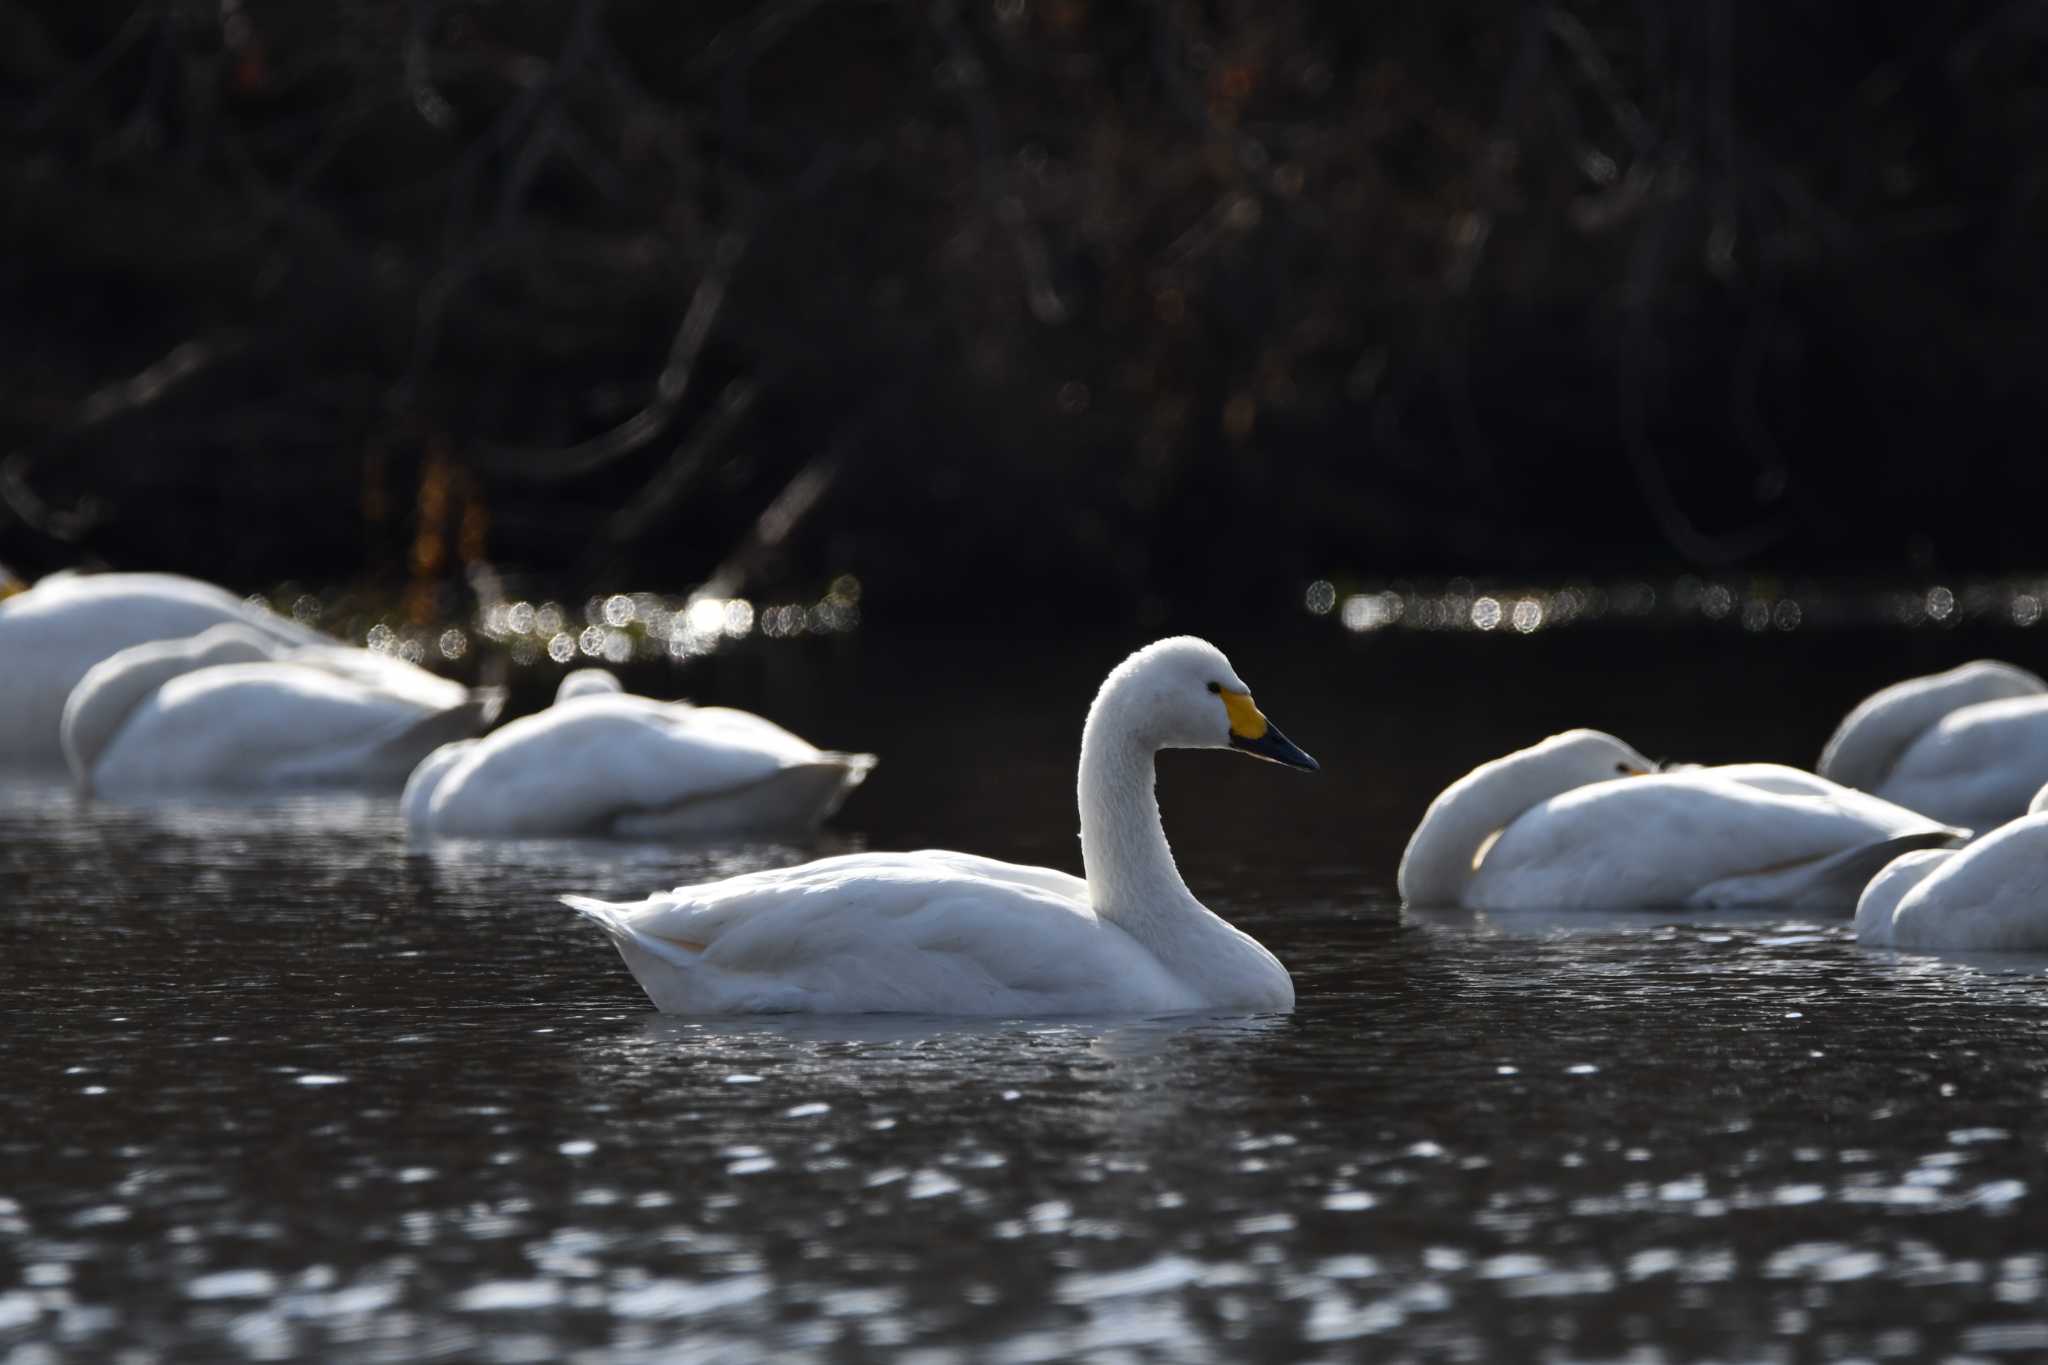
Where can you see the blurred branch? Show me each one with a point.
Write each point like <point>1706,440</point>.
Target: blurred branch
<point>56,523</point>
<point>156,381</point>
<point>969,79</point>
<point>779,520</point>
<point>555,464</point>
<point>640,510</point>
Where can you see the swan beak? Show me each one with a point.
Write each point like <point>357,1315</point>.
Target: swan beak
<point>1259,737</point>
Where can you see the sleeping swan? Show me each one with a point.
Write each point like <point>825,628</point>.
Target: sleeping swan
<point>600,761</point>
<point>951,933</point>
<point>1990,896</point>
<point>1582,822</point>
<point>231,710</point>
<point>1968,746</point>
<point>52,633</point>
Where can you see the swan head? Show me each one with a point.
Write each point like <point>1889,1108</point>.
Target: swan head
<point>1577,758</point>
<point>1181,693</point>
<point>2039,804</point>
<point>588,682</point>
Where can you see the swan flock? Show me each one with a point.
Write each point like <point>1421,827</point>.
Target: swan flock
<point>1927,812</point>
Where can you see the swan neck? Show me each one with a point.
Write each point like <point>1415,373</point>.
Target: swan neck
<point>112,689</point>
<point>1124,853</point>
<point>104,699</point>
<point>1871,740</point>
<point>1443,854</point>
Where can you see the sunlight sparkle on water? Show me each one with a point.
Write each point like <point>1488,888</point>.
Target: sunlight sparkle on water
<point>1758,606</point>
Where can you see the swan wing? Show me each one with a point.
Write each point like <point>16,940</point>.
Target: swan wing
<point>607,763</point>
<point>384,673</point>
<point>258,725</point>
<point>1829,883</point>
<point>1663,839</point>
<point>898,932</point>
<point>1977,766</point>
<point>1785,781</point>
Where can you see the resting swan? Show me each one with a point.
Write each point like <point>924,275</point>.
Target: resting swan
<point>52,633</point>
<point>602,762</point>
<point>951,933</point>
<point>1581,821</point>
<point>1990,896</point>
<point>1968,746</point>
<point>232,710</point>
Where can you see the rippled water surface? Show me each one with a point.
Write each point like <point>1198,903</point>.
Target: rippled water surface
<point>278,1086</point>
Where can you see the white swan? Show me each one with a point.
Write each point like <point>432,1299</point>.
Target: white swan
<point>1968,746</point>
<point>1582,822</point>
<point>951,933</point>
<point>1990,896</point>
<point>232,710</point>
<point>52,633</point>
<point>602,762</point>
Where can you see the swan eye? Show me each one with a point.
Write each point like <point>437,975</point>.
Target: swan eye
<point>1216,687</point>
<point>1623,768</point>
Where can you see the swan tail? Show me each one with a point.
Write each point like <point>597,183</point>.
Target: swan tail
<point>794,799</point>
<point>395,758</point>
<point>1831,883</point>
<point>671,972</point>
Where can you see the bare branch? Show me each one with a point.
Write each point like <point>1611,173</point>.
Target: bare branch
<point>554,464</point>
<point>639,511</point>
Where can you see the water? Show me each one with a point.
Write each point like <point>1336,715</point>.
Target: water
<point>278,1087</point>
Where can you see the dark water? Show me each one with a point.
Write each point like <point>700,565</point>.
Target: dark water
<point>278,1087</point>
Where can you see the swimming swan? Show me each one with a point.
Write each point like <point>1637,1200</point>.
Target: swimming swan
<point>1581,821</point>
<point>602,762</point>
<point>951,933</point>
<point>230,709</point>
<point>1968,746</point>
<point>1990,896</point>
<point>52,633</point>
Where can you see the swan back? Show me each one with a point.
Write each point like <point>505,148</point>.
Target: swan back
<point>112,688</point>
<point>1872,738</point>
<point>1466,816</point>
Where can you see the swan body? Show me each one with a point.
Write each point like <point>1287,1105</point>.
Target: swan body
<point>600,761</point>
<point>52,633</point>
<point>1968,747</point>
<point>232,710</point>
<point>1581,821</point>
<point>1991,896</point>
<point>952,933</point>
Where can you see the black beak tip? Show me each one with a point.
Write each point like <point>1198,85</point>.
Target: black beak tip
<point>1275,747</point>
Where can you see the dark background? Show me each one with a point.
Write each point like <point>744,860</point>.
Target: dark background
<point>1021,307</point>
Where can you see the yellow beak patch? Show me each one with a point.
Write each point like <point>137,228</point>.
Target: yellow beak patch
<point>1246,722</point>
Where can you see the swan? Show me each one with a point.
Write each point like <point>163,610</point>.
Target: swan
<point>601,761</point>
<point>52,633</point>
<point>231,709</point>
<point>952,933</point>
<point>1968,746</point>
<point>1989,896</point>
<point>1581,821</point>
